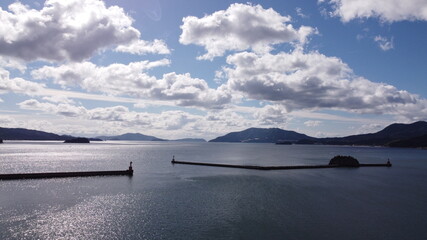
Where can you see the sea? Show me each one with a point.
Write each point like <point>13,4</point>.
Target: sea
<point>166,201</point>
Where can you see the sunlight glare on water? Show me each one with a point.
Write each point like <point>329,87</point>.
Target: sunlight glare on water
<point>165,201</point>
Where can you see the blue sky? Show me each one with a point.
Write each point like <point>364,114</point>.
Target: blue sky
<point>188,68</point>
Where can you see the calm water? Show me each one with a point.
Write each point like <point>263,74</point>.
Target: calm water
<point>162,201</point>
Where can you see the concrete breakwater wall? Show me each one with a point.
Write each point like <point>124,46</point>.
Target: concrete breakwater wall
<point>388,164</point>
<point>16,176</point>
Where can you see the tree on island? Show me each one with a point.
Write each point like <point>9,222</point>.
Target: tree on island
<point>77,140</point>
<point>345,161</point>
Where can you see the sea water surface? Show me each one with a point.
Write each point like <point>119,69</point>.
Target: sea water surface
<point>165,201</point>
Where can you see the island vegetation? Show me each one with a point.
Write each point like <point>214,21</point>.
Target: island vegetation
<point>77,140</point>
<point>344,161</point>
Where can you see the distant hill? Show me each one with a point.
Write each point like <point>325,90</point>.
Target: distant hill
<point>415,142</point>
<point>189,140</point>
<point>262,135</point>
<point>393,133</point>
<point>131,137</point>
<point>27,134</point>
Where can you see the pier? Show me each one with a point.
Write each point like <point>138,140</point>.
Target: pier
<point>253,167</point>
<point>16,176</point>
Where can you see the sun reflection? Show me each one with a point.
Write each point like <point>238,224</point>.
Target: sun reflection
<point>98,217</point>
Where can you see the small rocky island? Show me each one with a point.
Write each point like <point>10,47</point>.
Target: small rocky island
<point>1,140</point>
<point>77,140</point>
<point>344,161</point>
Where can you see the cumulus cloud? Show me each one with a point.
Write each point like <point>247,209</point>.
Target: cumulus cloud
<point>168,120</point>
<point>58,99</point>
<point>6,120</point>
<point>188,91</point>
<point>113,79</point>
<point>272,115</point>
<point>221,121</point>
<point>119,119</point>
<point>68,30</point>
<point>18,85</point>
<point>384,43</point>
<point>312,123</point>
<point>241,27</point>
<point>59,109</point>
<point>12,63</point>
<point>386,10</point>
<point>133,80</point>
<point>142,47</point>
<point>369,128</point>
<point>300,80</point>
<point>300,13</point>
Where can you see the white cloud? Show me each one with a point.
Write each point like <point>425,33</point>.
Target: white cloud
<point>224,120</point>
<point>6,120</point>
<point>12,63</point>
<point>165,121</point>
<point>272,115</point>
<point>18,85</point>
<point>113,79</point>
<point>116,113</point>
<point>68,30</point>
<point>314,81</point>
<point>63,109</point>
<point>58,99</point>
<point>241,27</point>
<point>132,80</point>
<point>142,47</point>
<point>312,123</point>
<point>300,13</point>
<point>384,43</point>
<point>369,128</point>
<point>386,10</point>
<point>188,91</point>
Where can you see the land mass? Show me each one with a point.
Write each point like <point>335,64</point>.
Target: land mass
<point>142,137</point>
<point>29,134</point>
<point>412,135</point>
<point>77,140</point>
<point>132,137</point>
<point>394,135</point>
<point>189,140</point>
<point>262,135</point>
<point>417,142</point>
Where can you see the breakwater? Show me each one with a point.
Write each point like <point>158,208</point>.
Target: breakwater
<point>16,176</point>
<point>253,167</point>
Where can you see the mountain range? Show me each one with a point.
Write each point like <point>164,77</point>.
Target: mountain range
<point>28,134</point>
<point>394,135</point>
<point>389,136</point>
<point>131,137</point>
<point>262,135</point>
<point>142,137</point>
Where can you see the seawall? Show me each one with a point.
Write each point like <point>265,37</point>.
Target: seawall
<point>276,167</point>
<point>15,176</point>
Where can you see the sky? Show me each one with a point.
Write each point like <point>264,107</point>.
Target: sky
<point>191,68</point>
